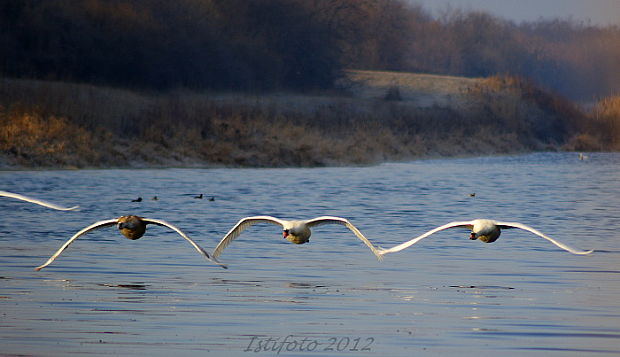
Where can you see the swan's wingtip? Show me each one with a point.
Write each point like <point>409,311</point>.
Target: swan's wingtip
<point>214,260</point>
<point>222,265</point>
<point>377,254</point>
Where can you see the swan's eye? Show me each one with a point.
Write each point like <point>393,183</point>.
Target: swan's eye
<point>285,231</point>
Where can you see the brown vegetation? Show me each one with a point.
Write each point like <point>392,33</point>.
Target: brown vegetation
<point>32,140</point>
<point>165,57</point>
<point>53,124</point>
<point>602,130</point>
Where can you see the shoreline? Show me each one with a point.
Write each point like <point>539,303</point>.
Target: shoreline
<point>219,167</point>
<point>374,117</point>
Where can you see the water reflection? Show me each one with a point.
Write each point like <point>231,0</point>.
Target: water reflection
<point>305,286</point>
<point>483,287</point>
<point>135,286</point>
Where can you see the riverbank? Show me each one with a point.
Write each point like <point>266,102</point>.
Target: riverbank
<point>372,117</point>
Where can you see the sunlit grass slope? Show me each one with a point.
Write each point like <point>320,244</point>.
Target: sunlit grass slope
<point>371,117</point>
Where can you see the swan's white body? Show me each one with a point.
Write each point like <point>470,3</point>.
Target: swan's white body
<point>297,232</point>
<point>37,201</point>
<point>132,227</point>
<point>485,230</point>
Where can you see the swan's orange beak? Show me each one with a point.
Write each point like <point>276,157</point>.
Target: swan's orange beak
<point>472,236</point>
<point>285,233</point>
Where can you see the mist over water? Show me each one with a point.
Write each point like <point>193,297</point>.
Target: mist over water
<point>445,295</point>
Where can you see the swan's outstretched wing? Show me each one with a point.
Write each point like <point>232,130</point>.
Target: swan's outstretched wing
<point>96,225</point>
<point>345,222</point>
<point>239,227</point>
<point>409,243</point>
<point>194,244</point>
<point>507,225</point>
<point>37,201</point>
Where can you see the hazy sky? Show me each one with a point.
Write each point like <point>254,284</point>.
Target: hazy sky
<point>599,12</point>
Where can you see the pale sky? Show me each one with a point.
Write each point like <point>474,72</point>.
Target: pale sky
<point>598,12</point>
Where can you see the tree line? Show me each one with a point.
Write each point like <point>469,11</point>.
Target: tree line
<point>292,44</point>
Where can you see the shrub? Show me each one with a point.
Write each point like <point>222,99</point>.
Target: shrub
<point>28,138</point>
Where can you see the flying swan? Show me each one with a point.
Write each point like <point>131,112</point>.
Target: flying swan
<point>132,227</point>
<point>485,230</point>
<point>297,232</point>
<point>39,202</point>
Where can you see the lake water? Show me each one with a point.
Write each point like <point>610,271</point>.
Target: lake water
<point>446,295</point>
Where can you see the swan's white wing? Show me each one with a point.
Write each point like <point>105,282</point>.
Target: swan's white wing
<point>37,201</point>
<point>345,222</point>
<point>194,244</point>
<point>318,221</point>
<point>239,227</point>
<point>409,243</point>
<point>507,225</point>
<point>96,225</point>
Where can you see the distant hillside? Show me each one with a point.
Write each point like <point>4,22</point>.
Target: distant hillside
<point>276,45</point>
<point>373,117</point>
<point>422,90</point>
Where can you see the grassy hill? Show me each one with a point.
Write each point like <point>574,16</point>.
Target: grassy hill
<point>372,117</point>
<point>422,90</point>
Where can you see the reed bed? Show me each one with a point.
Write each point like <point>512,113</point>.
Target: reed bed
<point>65,125</point>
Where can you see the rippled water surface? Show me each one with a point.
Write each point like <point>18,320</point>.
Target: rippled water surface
<point>446,295</point>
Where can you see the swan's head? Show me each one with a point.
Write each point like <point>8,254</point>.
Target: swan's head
<point>486,238</point>
<point>484,230</point>
<point>296,235</point>
<point>132,227</point>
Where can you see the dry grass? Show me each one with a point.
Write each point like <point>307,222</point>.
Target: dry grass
<point>421,90</point>
<point>49,124</point>
<point>602,131</point>
<point>33,140</point>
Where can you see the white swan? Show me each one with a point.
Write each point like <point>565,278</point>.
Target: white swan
<point>297,232</point>
<point>485,230</point>
<point>132,227</point>
<point>39,202</point>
